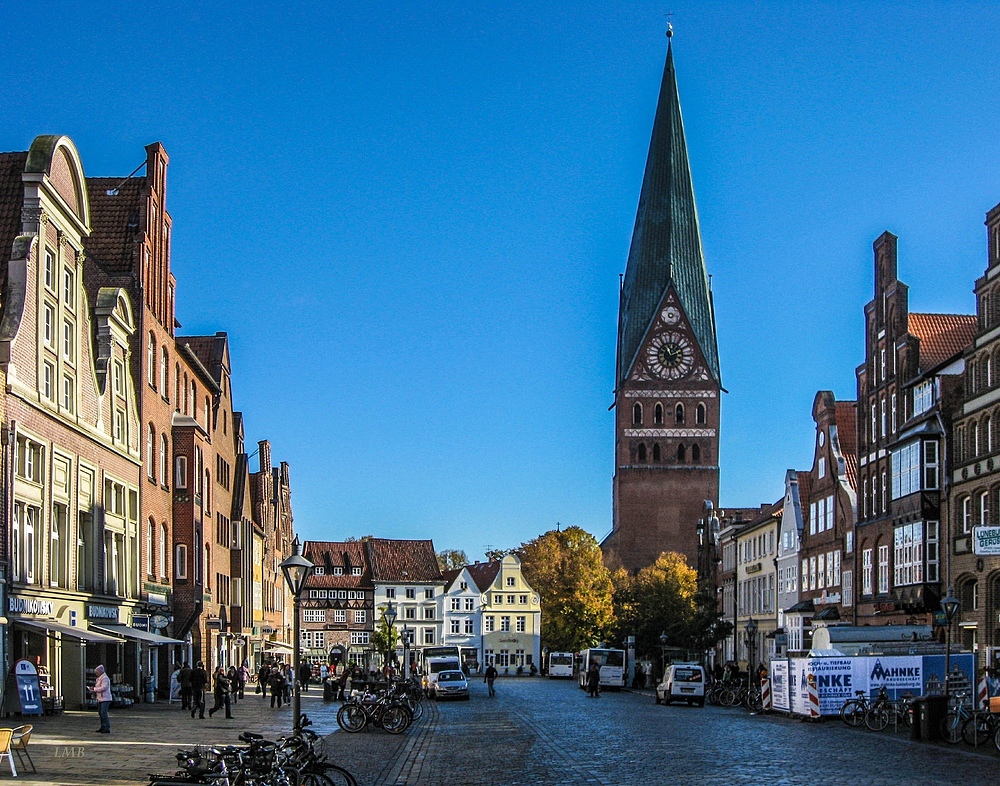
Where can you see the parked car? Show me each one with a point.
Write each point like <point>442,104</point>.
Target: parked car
<point>451,685</point>
<point>433,667</point>
<point>682,682</point>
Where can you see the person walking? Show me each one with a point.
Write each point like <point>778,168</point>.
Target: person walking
<point>289,682</point>
<point>305,675</point>
<point>594,681</point>
<point>184,678</point>
<point>102,692</point>
<point>199,679</point>
<point>234,683</point>
<point>276,684</point>
<point>244,675</point>
<point>222,690</point>
<point>262,679</point>
<point>490,678</point>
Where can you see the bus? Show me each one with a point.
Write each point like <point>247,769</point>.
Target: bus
<point>560,664</point>
<point>611,663</point>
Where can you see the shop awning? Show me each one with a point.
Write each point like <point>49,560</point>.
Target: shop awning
<point>278,645</point>
<point>69,630</point>
<point>139,635</point>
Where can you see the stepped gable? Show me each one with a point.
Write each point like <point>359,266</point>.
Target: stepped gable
<point>402,561</point>
<point>942,336</point>
<point>116,221</point>
<point>484,574</point>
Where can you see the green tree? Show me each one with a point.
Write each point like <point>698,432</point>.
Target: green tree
<point>449,559</point>
<point>566,568</point>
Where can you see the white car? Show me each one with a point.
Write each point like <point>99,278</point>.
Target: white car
<point>682,682</point>
<point>451,685</point>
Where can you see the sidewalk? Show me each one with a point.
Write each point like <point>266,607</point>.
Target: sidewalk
<point>145,737</point>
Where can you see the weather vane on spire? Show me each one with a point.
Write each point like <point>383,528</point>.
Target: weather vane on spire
<point>670,24</point>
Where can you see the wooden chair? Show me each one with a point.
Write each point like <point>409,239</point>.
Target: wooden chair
<point>5,738</point>
<point>19,744</point>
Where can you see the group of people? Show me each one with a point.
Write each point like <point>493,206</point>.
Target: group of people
<point>228,686</point>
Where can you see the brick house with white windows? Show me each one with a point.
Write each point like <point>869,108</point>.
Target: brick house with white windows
<point>907,391</point>
<point>826,592</point>
<point>70,434</point>
<point>338,604</point>
<point>975,468</point>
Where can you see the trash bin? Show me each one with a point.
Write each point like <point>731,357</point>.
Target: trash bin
<point>148,690</point>
<point>929,711</point>
<point>329,690</point>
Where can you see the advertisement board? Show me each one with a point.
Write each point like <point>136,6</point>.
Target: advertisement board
<point>840,678</point>
<point>986,541</point>
<point>779,685</point>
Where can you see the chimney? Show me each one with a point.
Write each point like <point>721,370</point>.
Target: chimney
<point>265,455</point>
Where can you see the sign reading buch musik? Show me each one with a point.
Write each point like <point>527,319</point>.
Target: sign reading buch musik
<point>986,541</point>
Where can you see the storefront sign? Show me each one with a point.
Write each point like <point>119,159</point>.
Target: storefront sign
<point>106,613</point>
<point>756,568</point>
<point>30,606</point>
<point>29,692</point>
<point>986,541</point>
<point>140,621</point>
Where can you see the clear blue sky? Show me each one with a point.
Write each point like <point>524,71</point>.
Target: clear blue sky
<point>411,219</point>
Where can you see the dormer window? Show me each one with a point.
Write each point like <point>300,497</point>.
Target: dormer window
<point>356,571</point>
<point>319,571</point>
<point>338,571</point>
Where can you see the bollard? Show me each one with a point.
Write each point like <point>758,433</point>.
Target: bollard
<point>765,694</point>
<point>983,694</point>
<point>814,714</point>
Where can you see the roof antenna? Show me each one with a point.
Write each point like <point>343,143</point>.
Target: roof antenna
<point>670,25</point>
<point>114,191</point>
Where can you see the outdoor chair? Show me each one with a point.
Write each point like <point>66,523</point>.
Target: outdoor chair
<point>19,744</point>
<point>5,737</point>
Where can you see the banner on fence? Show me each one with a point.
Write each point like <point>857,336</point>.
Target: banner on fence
<point>840,678</point>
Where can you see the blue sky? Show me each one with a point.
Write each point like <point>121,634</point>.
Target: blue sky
<point>411,219</point>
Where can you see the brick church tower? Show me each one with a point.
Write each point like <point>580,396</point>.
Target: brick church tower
<point>668,383</point>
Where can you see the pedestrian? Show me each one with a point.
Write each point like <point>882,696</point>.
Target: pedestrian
<point>490,678</point>
<point>262,677</point>
<point>594,681</point>
<point>199,679</point>
<point>234,683</point>
<point>276,684</point>
<point>324,672</point>
<point>342,683</point>
<point>244,675</point>
<point>289,682</point>
<point>102,692</point>
<point>305,675</point>
<point>184,678</point>
<point>222,693</point>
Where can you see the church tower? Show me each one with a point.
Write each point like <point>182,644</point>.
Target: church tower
<point>668,383</point>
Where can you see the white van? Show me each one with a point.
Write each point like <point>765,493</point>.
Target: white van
<point>682,682</point>
<point>433,667</point>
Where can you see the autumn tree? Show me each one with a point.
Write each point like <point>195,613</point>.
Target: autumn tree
<point>660,598</point>
<point>450,559</point>
<point>566,568</point>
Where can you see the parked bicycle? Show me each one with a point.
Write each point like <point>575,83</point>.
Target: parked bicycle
<point>854,711</point>
<point>956,718</point>
<point>386,709</point>
<point>884,711</point>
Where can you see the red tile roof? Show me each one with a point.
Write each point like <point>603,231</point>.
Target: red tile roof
<point>403,561</point>
<point>116,221</point>
<point>847,432</point>
<point>942,336</point>
<point>337,554</point>
<point>484,574</point>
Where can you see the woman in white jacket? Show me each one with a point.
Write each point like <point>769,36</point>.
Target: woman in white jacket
<point>102,691</point>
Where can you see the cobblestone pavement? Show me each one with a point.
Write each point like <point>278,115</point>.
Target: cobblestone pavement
<point>535,731</point>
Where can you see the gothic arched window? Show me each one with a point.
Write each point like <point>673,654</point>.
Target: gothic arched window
<point>681,454</point>
<point>695,453</point>
<point>637,414</point>
<point>679,413</point>
<point>658,414</point>
<point>699,414</point>
<point>642,453</point>
<point>656,452</point>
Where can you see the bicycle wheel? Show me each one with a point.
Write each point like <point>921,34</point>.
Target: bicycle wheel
<point>877,718</point>
<point>352,718</point>
<point>853,713</point>
<point>727,698</point>
<point>978,729</point>
<point>395,719</point>
<point>951,727</point>
<point>417,708</point>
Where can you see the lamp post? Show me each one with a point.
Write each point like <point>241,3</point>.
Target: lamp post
<point>751,630</point>
<point>295,569</point>
<point>389,615</point>
<point>950,604</point>
<point>663,654</point>
<point>406,655</point>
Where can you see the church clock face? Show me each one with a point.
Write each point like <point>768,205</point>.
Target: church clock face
<point>670,356</point>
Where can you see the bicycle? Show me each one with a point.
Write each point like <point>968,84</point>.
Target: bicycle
<point>954,721</point>
<point>854,711</point>
<point>381,710</point>
<point>885,711</point>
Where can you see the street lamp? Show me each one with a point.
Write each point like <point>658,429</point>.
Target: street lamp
<point>663,653</point>
<point>406,656</point>
<point>950,604</point>
<point>389,615</point>
<point>296,570</point>
<point>751,646</point>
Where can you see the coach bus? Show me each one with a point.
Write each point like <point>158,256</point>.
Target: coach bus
<point>611,663</point>
<point>560,664</point>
